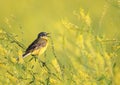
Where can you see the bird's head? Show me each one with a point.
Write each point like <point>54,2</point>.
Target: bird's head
<point>43,35</point>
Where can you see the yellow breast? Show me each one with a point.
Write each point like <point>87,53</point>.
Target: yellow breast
<point>40,50</point>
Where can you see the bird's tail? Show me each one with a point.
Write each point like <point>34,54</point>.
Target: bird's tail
<point>23,56</point>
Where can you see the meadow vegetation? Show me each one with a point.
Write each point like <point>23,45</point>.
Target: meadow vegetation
<point>79,52</point>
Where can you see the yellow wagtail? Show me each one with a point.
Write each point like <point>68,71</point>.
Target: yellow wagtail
<point>38,46</point>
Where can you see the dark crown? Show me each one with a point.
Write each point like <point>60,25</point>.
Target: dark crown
<point>41,34</point>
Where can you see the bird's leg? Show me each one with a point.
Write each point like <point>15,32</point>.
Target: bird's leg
<point>39,60</point>
<point>33,57</point>
<point>43,63</point>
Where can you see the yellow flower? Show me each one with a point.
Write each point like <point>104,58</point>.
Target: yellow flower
<point>69,25</point>
<point>7,21</point>
<point>20,57</point>
<point>80,41</point>
<point>1,31</point>
<point>13,60</point>
<point>98,38</point>
<point>88,20</point>
<point>3,51</point>
<point>3,66</point>
<point>82,14</point>
<point>11,78</point>
<point>76,78</point>
<point>56,65</point>
<point>53,81</point>
<point>85,17</point>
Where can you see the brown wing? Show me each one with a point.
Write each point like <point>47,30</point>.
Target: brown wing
<point>37,44</point>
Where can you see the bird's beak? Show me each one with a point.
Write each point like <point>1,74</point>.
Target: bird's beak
<point>48,34</point>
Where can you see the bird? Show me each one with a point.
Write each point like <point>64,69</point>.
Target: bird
<point>38,46</point>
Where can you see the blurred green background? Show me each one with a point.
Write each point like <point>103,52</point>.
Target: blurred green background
<point>85,36</point>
